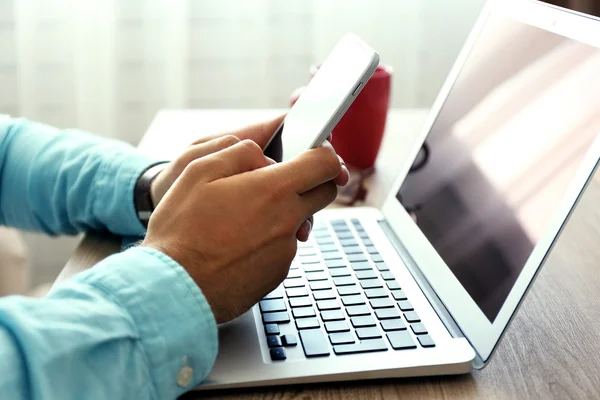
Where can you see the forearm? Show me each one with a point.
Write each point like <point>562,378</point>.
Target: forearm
<point>66,181</point>
<point>109,335</point>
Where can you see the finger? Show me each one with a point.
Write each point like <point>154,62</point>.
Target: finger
<point>209,147</point>
<point>344,176</point>
<point>241,157</point>
<point>261,132</point>
<point>318,198</point>
<point>304,231</point>
<point>306,171</point>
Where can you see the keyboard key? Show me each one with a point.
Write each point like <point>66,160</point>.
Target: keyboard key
<point>272,305</point>
<point>324,294</point>
<point>323,305</point>
<point>275,294</point>
<point>412,316</point>
<point>336,326</point>
<point>371,283</point>
<point>372,250</point>
<point>368,333</point>
<point>418,329</point>
<point>353,300</point>
<point>294,273</point>
<point>332,256</point>
<point>294,266</point>
<point>352,249</point>
<point>278,354</point>
<point>376,258</point>
<point>361,322</point>
<point>292,283</point>
<point>317,276</point>
<point>344,280</point>
<point>361,347</point>
<point>387,313</point>
<point>307,323</point>
<point>393,325</point>
<point>296,292</point>
<point>376,293</point>
<point>357,257</point>
<point>326,248</point>
<point>356,222</point>
<point>332,315</point>
<point>401,340</point>
<point>348,242</point>
<point>276,317</point>
<point>426,341</point>
<point>335,263</point>
<point>335,272</point>
<point>314,343</point>
<point>313,267</point>
<point>344,235</point>
<point>361,266</point>
<point>381,266</point>
<point>346,290</point>
<point>321,233</point>
<point>341,338</point>
<point>366,274</point>
<point>274,341</point>
<point>289,340</point>
<point>338,222</point>
<point>305,245</point>
<point>300,302</point>
<point>303,312</point>
<point>405,305</point>
<point>310,251</point>
<point>355,311</point>
<point>320,285</point>
<point>325,240</point>
<point>310,260</point>
<point>399,294</point>
<point>393,285</point>
<point>382,303</point>
<point>341,228</point>
<point>367,242</point>
<point>387,275</point>
<point>272,329</point>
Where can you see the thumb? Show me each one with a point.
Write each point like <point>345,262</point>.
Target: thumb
<point>260,133</point>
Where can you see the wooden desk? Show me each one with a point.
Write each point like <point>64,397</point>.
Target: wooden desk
<point>552,349</point>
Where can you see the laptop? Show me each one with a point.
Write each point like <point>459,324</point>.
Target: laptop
<point>428,284</point>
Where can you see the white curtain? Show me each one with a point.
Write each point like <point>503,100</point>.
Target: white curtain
<point>109,65</point>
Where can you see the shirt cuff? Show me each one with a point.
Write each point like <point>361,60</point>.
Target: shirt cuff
<point>114,191</point>
<point>176,326</point>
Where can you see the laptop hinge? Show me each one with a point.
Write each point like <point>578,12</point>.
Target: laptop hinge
<point>430,294</point>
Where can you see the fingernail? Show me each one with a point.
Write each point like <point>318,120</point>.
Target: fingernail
<point>309,226</point>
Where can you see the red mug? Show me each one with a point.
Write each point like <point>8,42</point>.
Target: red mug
<point>357,137</point>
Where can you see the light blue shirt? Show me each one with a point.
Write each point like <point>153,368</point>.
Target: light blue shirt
<point>130,327</point>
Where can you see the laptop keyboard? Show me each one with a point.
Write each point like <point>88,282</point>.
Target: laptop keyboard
<point>341,298</point>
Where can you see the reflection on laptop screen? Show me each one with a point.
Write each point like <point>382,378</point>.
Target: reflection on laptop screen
<point>502,152</point>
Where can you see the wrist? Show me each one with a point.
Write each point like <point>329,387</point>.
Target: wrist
<point>144,195</point>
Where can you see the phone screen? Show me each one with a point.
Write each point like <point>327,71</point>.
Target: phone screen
<point>325,99</point>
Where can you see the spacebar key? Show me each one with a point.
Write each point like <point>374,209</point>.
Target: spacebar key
<point>314,342</point>
<point>362,347</point>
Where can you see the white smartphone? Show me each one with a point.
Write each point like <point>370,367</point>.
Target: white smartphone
<point>325,100</point>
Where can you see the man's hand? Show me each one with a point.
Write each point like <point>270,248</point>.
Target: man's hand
<point>259,133</point>
<point>232,216</point>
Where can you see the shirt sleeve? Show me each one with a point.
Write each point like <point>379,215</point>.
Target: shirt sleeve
<point>67,181</point>
<point>134,326</point>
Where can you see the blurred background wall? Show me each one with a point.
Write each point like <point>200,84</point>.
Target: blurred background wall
<point>108,66</point>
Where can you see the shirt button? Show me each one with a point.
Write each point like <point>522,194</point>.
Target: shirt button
<point>185,375</point>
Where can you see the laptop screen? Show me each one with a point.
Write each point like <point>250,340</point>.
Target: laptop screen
<point>500,156</point>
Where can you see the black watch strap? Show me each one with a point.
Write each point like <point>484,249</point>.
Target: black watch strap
<point>141,193</point>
